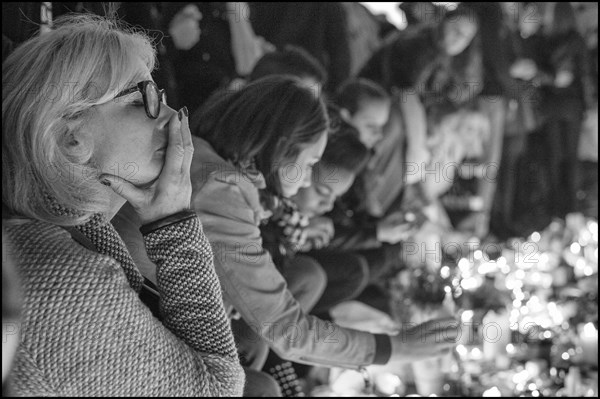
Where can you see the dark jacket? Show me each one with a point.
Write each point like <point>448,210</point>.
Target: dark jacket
<point>319,28</point>
<point>568,52</point>
<point>494,35</point>
<point>209,65</point>
<point>406,59</point>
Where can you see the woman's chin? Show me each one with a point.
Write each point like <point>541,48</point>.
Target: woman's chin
<point>146,182</point>
<point>151,173</point>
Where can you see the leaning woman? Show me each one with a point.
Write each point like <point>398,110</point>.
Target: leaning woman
<point>84,130</point>
<point>256,148</point>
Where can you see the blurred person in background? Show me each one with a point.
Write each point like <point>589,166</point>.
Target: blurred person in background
<point>568,94</point>
<point>408,66</point>
<point>210,45</point>
<point>319,28</point>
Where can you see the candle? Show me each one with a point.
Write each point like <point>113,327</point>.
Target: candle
<point>496,335</point>
<point>492,392</point>
<point>389,384</point>
<point>535,367</point>
<point>429,377</point>
<point>589,344</point>
<point>560,276</point>
<point>573,382</point>
<point>347,382</point>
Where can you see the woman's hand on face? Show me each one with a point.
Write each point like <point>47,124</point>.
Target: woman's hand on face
<point>171,192</point>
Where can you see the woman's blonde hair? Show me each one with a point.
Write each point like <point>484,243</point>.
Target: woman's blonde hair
<point>48,85</point>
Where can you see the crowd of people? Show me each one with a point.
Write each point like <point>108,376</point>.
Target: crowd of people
<point>199,252</point>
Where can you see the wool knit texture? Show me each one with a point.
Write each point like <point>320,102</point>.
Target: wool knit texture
<point>85,332</point>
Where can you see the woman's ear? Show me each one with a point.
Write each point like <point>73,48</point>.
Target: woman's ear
<point>77,142</point>
<point>72,135</point>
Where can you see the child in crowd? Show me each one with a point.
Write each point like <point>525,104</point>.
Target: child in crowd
<point>365,106</point>
<point>347,273</point>
<point>342,274</point>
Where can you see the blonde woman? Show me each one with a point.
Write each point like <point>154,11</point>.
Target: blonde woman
<point>84,130</point>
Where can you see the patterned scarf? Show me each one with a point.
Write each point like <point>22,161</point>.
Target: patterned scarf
<point>108,242</point>
<point>105,239</point>
<point>289,223</point>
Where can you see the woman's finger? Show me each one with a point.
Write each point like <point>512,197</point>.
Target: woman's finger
<point>135,196</point>
<point>175,148</point>
<point>188,145</point>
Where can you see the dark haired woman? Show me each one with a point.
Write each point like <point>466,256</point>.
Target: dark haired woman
<point>257,148</point>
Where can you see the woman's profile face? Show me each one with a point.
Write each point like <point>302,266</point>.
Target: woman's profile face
<point>297,174</point>
<point>127,143</point>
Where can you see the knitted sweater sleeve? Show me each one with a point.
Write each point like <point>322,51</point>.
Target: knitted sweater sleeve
<point>191,302</point>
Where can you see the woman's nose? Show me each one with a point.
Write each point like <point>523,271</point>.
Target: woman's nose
<point>329,202</point>
<point>165,115</point>
<point>307,180</point>
<point>329,206</point>
<point>166,111</point>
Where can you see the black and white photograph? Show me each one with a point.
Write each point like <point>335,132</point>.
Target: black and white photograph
<point>303,199</point>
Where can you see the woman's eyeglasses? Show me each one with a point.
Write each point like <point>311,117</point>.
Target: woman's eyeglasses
<point>151,94</point>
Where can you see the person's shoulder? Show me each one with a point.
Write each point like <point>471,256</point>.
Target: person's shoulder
<point>208,167</point>
<point>209,172</point>
<point>233,190</point>
<point>44,251</point>
<point>29,234</point>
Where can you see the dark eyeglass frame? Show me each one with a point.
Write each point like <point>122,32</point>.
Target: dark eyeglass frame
<point>142,87</point>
